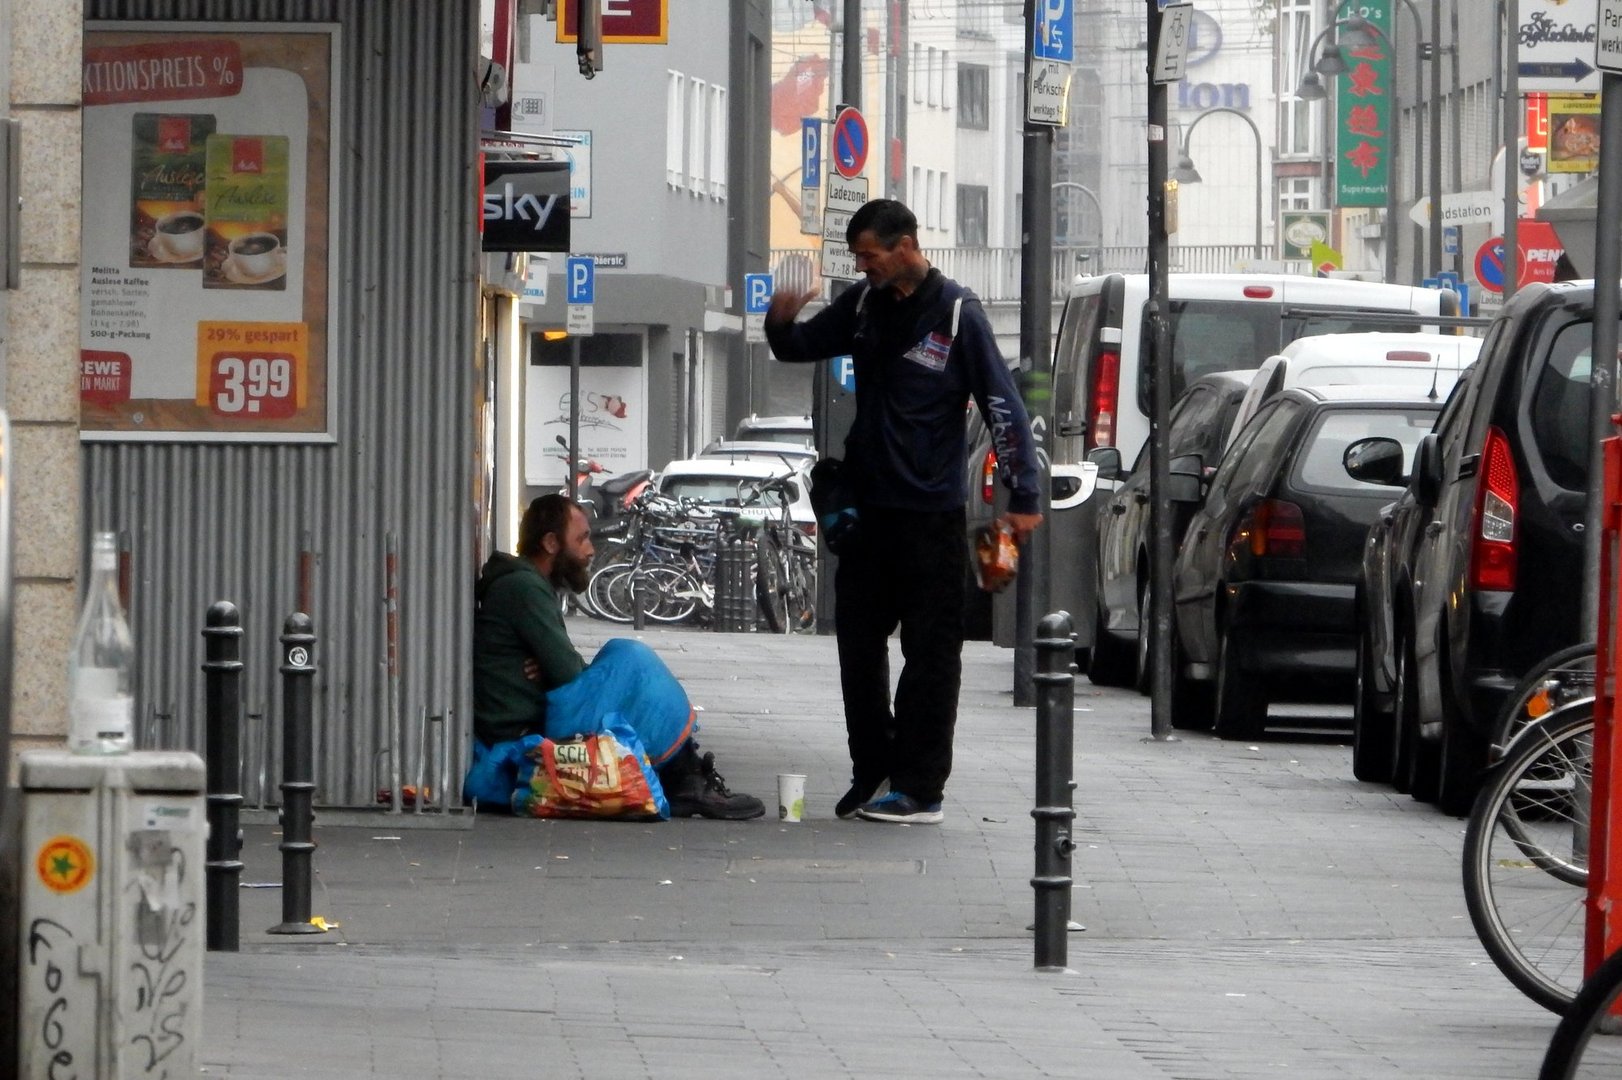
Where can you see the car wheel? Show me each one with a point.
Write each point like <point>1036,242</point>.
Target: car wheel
<point>1241,707</point>
<point>1461,758</point>
<point>1145,658</point>
<point>1190,699</point>
<point>1112,663</point>
<point>1372,727</point>
<point>1404,715</point>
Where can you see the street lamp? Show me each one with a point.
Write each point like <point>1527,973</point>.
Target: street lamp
<point>1186,173</point>
<point>1097,207</point>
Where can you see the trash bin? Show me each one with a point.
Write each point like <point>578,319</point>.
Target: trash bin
<point>111,972</point>
<point>735,604</point>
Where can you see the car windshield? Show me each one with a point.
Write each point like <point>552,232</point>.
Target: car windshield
<point>1322,464</point>
<point>715,490</point>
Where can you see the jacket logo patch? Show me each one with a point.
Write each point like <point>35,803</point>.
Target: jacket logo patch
<point>932,351</point>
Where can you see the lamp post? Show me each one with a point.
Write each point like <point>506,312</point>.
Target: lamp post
<point>1186,173</point>
<point>1098,209</point>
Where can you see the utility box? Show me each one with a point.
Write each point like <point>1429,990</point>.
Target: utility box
<point>112,929</point>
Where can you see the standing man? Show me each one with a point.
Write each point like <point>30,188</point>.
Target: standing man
<point>921,347</point>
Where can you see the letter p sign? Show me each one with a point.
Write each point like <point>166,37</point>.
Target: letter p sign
<point>757,293</point>
<point>582,276</point>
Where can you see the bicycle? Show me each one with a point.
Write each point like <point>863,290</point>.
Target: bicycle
<point>1561,677</point>
<point>1573,1046</point>
<point>785,561</point>
<point>1526,855</point>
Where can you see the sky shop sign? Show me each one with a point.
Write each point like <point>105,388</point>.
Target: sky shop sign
<point>1363,117</point>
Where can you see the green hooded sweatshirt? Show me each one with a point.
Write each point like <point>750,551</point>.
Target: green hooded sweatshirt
<point>519,616</point>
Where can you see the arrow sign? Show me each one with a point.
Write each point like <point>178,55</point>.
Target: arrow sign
<point>1575,70</point>
<point>1460,208</point>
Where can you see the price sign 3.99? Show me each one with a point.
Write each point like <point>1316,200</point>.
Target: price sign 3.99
<point>252,371</point>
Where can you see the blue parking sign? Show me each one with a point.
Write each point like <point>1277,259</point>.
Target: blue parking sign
<point>580,272</point>
<point>811,152</point>
<point>757,293</point>
<point>1055,31</point>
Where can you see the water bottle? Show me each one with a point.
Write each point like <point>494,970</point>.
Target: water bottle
<point>100,707</point>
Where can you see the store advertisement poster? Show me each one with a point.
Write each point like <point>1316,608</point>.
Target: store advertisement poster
<point>1363,115</point>
<point>613,421</point>
<point>208,206</point>
<point>1574,133</point>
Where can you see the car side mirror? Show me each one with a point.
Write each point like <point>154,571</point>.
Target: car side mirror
<point>1426,479</point>
<point>1108,460</point>
<point>1187,479</point>
<point>1376,460</point>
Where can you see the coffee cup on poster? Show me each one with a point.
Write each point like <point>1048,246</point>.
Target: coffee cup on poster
<point>180,235</point>
<point>257,254</point>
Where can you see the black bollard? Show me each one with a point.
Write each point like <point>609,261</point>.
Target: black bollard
<point>222,715</point>
<point>298,774</point>
<point>1055,708</point>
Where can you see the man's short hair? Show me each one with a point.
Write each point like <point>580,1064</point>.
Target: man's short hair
<point>546,514</point>
<point>888,220</point>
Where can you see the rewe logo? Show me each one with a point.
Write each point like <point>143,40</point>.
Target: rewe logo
<point>509,205</point>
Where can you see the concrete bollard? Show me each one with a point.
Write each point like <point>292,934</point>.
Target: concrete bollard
<point>222,711</point>
<point>1055,709</point>
<point>298,774</point>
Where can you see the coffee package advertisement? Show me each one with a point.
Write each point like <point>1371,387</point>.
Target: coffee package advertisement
<point>208,181</point>
<point>166,189</point>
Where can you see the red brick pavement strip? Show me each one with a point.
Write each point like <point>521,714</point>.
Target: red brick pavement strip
<point>1251,910</point>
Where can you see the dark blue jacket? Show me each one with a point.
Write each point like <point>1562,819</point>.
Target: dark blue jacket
<point>914,377</point>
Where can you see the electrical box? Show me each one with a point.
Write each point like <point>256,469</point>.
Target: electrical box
<point>110,979</point>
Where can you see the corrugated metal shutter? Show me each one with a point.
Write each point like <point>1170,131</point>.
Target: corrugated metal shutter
<point>211,522</point>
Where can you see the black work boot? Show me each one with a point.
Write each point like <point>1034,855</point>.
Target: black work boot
<point>695,789</point>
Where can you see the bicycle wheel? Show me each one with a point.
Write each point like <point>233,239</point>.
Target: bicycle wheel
<point>1573,1052</point>
<point>608,592</point>
<point>1560,677</point>
<point>1526,857</point>
<point>669,593</point>
<point>770,583</point>
<point>801,597</point>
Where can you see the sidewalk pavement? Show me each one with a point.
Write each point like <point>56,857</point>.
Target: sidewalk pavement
<point>1250,911</point>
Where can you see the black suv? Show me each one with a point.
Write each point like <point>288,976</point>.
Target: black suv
<point>1495,579</point>
<point>1265,580</point>
<point>1200,422</point>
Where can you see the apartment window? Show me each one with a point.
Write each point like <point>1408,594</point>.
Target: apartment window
<point>932,77</point>
<point>947,77</point>
<point>675,136</point>
<point>915,190</point>
<point>927,197</point>
<point>919,74</point>
<point>698,115</point>
<point>1295,193</point>
<point>943,212</point>
<point>1295,115</point>
<point>718,142</point>
<point>973,229</point>
<point>974,96</point>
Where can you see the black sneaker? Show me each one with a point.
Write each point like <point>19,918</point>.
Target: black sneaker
<point>846,808</point>
<point>703,793</point>
<point>901,809</point>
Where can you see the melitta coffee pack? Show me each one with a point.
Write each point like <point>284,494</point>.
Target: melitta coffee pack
<point>167,179</point>
<point>247,212</point>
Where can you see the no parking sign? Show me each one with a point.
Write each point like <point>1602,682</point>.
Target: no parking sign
<point>1490,265</point>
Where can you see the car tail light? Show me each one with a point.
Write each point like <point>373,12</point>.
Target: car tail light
<point>1104,399</point>
<point>1259,292</point>
<point>988,476</point>
<point>1275,529</point>
<point>1498,495</point>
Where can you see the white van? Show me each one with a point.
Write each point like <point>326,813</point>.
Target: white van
<point>1428,362</point>
<point>1218,322</point>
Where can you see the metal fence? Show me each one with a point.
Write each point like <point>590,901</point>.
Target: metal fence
<point>994,273</point>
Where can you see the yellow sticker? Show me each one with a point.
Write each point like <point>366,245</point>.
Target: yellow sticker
<point>65,864</point>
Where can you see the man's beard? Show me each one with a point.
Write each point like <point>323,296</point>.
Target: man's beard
<point>570,571</point>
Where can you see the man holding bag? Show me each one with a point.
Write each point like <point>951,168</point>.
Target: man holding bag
<point>921,347</point>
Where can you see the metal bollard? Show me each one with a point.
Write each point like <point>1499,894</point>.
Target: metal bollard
<point>1055,709</point>
<point>298,774</point>
<point>222,713</point>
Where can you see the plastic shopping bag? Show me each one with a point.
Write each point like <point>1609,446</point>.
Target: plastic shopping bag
<point>605,775</point>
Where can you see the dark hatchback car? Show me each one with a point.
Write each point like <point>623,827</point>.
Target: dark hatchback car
<point>1495,579</point>
<point>1265,580</point>
<point>1200,422</point>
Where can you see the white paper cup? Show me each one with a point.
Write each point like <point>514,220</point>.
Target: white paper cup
<point>790,796</point>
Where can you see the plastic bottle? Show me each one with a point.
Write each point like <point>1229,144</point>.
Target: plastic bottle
<point>100,707</point>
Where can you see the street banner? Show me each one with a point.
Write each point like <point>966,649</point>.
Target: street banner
<point>209,209</point>
<point>1363,115</point>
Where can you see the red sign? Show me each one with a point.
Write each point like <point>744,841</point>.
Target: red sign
<point>1540,251</point>
<point>849,143</point>
<point>167,71</point>
<point>625,22</point>
<point>104,377</point>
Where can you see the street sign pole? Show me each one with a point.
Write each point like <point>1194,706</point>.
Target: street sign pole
<point>1512,127</point>
<point>1161,549</point>
<point>1032,588</point>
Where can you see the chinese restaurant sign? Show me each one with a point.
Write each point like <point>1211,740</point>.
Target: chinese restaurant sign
<point>1363,115</point>
<point>207,218</point>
